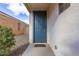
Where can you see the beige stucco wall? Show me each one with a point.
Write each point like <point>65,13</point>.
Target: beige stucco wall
<point>53,13</point>
<point>62,30</point>
<point>31,27</point>
<point>66,32</point>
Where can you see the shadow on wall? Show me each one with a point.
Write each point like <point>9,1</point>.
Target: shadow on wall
<point>63,6</point>
<point>75,47</point>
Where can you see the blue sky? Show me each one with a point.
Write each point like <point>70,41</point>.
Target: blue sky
<point>17,10</point>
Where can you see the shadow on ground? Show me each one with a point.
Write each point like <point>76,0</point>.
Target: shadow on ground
<point>19,51</point>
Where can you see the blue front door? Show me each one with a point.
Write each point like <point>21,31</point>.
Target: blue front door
<point>40,27</point>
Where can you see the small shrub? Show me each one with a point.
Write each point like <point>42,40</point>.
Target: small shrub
<point>7,40</point>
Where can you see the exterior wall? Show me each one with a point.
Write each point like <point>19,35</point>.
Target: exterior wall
<point>13,23</point>
<point>62,30</point>
<point>53,13</point>
<point>66,32</point>
<point>31,27</point>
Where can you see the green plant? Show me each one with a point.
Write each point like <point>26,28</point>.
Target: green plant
<point>7,40</point>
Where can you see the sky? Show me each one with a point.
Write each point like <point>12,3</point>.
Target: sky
<point>17,10</point>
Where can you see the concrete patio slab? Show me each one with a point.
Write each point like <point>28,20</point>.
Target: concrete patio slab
<point>38,51</point>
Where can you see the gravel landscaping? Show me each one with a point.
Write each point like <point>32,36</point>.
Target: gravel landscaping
<point>19,51</point>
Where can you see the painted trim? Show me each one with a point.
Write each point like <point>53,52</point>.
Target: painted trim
<point>33,27</point>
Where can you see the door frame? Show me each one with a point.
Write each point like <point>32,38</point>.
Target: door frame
<point>34,27</point>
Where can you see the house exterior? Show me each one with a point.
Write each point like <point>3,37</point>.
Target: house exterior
<point>52,13</point>
<point>51,10</point>
<point>55,24</point>
<point>18,27</point>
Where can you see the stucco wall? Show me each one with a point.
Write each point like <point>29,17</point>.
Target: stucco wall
<point>31,27</point>
<point>53,13</point>
<point>13,23</point>
<point>62,30</point>
<point>66,32</point>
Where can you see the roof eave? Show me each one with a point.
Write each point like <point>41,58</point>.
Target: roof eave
<point>27,5</point>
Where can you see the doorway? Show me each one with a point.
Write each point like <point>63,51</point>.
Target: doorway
<point>40,27</point>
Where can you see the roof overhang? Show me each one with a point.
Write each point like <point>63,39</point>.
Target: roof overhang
<point>36,6</point>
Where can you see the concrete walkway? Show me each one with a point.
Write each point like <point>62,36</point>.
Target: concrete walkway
<point>38,51</point>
